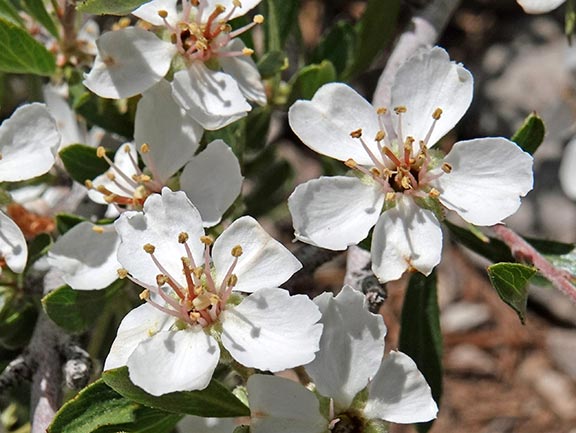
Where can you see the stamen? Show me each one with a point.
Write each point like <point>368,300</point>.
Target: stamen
<point>172,282</point>
<point>436,116</point>
<point>434,193</point>
<point>101,153</point>
<point>446,167</point>
<point>163,13</point>
<point>122,273</point>
<point>236,251</point>
<point>145,148</point>
<point>358,135</point>
<point>399,111</point>
<point>258,19</point>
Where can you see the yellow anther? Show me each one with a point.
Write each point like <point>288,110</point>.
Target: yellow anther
<point>198,272</point>
<point>122,273</point>
<point>219,9</point>
<point>380,135</point>
<point>400,109</point>
<point>140,192</point>
<point>375,172</point>
<point>88,184</point>
<point>141,178</point>
<point>126,148</point>
<point>144,295</point>
<point>405,182</point>
<point>145,148</point>
<point>201,302</point>
<point>206,240</point>
<point>232,280</point>
<point>258,19</point>
<point>357,133</point>
<point>237,3</point>
<point>446,168</point>
<point>98,229</point>
<point>100,152</point>
<point>350,163</point>
<point>390,196</point>
<point>214,299</point>
<point>409,141</point>
<point>236,251</point>
<point>437,113</point>
<point>111,176</point>
<point>381,111</point>
<point>194,315</point>
<point>161,279</point>
<point>247,51</point>
<point>183,237</point>
<point>123,22</point>
<point>185,262</point>
<point>110,198</point>
<point>163,13</point>
<point>434,193</point>
<point>149,248</point>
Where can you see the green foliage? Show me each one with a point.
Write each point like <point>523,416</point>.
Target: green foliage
<point>420,335</point>
<point>38,11</point>
<point>9,12</point>
<point>99,409</point>
<point>338,46</point>
<point>272,63</point>
<point>82,163</point>
<point>280,16</point>
<point>65,221</point>
<point>493,249</point>
<point>38,247</point>
<point>109,7</point>
<point>531,134</point>
<point>77,310</point>
<point>570,19</point>
<point>510,281</point>
<point>270,189</point>
<point>17,319</point>
<point>214,401</point>
<point>375,30</point>
<point>309,79</point>
<point>20,53</point>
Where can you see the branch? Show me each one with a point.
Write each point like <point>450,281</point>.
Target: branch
<point>426,29</point>
<point>523,251</point>
<point>19,370</point>
<point>359,275</point>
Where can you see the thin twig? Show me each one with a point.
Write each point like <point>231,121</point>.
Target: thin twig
<point>19,370</point>
<point>525,252</point>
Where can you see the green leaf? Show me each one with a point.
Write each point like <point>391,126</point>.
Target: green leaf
<point>570,20</point>
<point>564,261</point>
<point>82,163</point>
<point>270,188</point>
<point>420,335</point>
<point>10,13</point>
<point>280,17</point>
<point>375,29</point>
<point>338,46</point>
<point>77,310</point>
<point>17,319</point>
<point>38,247</point>
<point>510,281</point>
<point>99,409</point>
<point>214,401</point>
<point>65,221</point>
<point>309,79</point>
<point>20,53</point>
<point>272,63</point>
<point>531,134</point>
<point>109,7</point>
<point>494,250</point>
<point>38,11</point>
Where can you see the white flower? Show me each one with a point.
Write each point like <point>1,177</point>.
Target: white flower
<point>539,6</point>
<point>29,140</point>
<point>167,140</point>
<point>172,343</point>
<point>482,179</point>
<point>349,361</point>
<point>567,170</point>
<point>218,74</point>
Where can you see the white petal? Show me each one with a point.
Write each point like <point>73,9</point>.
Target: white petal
<point>488,177</point>
<point>324,124</point>
<point>121,185</point>
<point>198,424</point>
<point>280,405</point>
<point>212,98</point>
<point>405,237</point>
<point>87,36</point>
<point>399,393</point>
<point>427,81</point>
<point>568,169</point>
<point>138,325</point>
<point>212,181</point>
<point>164,218</point>
<point>334,212</point>
<point>87,258</point>
<point>174,361</point>
<point>129,61</point>
<point>149,12</point>
<point>29,140</point>
<point>539,6</point>
<point>13,248</point>
<point>264,262</point>
<point>244,70</point>
<point>351,347</point>
<point>271,330</point>
<point>246,6</point>
<point>65,118</point>
<point>172,136</point>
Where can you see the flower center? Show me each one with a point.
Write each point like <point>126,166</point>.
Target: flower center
<point>130,190</point>
<point>399,165</point>
<point>203,35</point>
<point>347,422</point>
<point>197,300</point>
